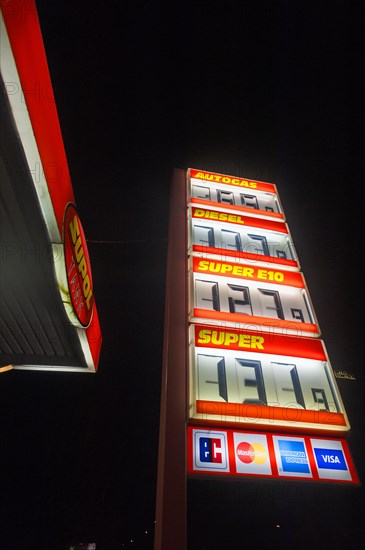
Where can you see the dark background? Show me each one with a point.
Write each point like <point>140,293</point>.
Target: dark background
<point>263,90</point>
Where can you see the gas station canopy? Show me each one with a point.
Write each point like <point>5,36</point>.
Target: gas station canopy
<point>48,315</point>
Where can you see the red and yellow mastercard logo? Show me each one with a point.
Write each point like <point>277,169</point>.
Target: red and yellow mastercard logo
<point>251,452</point>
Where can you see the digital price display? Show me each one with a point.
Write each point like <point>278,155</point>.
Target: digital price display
<point>238,237</point>
<point>257,378</point>
<point>241,295</point>
<point>250,196</point>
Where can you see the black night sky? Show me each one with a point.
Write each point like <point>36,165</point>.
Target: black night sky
<point>267,90</point>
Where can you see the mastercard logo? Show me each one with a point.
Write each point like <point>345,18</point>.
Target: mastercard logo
<point>251,452</point>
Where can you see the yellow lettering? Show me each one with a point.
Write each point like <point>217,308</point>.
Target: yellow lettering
<point>199,213</point>
<point>225,268</point>
<point>199,175</point>
<point>237,270</point>
<point>223,338</point>
<point>74,229</point>
<point>223,217</point>
<point>203,265</point>
<point>245,341</point>
<point>257,342</point>
<point>248,272</point>
<point>217,337</point>
<point>230,338</point>
<point>86,286</point>
<point>261,274</point>
<point>79,251</point>
<point>82,267</point>
<point>226,179</point>
<point>204,336</point>
<point>89,298</point>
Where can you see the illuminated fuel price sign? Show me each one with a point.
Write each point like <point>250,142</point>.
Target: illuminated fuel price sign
<point>250,196</point>
<point>261,379</point>
<point>243,295</point>
<point>228,235</point>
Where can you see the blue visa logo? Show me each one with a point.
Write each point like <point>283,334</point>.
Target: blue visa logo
<point>330,459</point>
<point>210,450</point>
<point>293,456</point>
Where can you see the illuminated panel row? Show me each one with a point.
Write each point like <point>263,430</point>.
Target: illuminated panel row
<point>235,193</point>
<point>239,453</point>
<point>257,379</point>
<point>246,294</point>
<point>226,235</point>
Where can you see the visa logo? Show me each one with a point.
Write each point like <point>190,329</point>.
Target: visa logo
<point>330,459</point>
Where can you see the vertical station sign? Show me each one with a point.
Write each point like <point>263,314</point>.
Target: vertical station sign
<point>256,360</point>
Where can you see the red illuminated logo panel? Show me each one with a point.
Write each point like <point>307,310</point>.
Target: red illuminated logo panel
<point>271,455</point>
<point>78,267</point>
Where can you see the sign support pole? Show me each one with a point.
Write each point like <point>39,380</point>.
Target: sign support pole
<point>171,501</point>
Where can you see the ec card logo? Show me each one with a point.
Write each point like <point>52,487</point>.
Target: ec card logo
<point>291,457</point>
<point>210,451</point>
